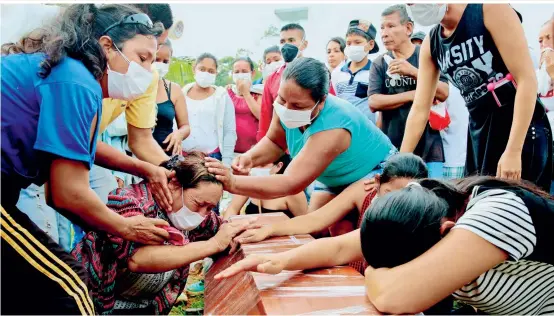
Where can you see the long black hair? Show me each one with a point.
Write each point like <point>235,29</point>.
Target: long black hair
<point>310,74</point>
<point>76,33</point>
<point>404,165</point>
<point>402,225</point>
<point>286,160</point>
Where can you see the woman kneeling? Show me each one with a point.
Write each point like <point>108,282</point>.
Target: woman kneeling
<point>128,277</point>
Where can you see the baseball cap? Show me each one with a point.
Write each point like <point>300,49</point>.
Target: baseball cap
<point>368,28</point>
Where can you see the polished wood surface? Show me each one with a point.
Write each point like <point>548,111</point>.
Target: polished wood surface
<point>338,290</point>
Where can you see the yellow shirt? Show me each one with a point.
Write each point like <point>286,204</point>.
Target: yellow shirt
<point>141,112</point>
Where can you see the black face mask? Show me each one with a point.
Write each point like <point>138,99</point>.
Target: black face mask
<point>289,52</point>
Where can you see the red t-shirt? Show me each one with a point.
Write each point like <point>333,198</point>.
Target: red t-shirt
<point>271,88</point>
<point>247,123</point>
<point>361,265</point>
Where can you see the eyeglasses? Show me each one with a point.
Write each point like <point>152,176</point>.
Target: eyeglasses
<point>139,18</point>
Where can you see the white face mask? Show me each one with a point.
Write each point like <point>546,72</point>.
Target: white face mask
<point>260,172</point>
<point>271,68</point>
<point>427,14</point>
<point>185,219</point>
<point>204,79</point>
<point>162,68</point>
<point>242,76</point>
<point>293,118</point>
<point>130,85</point>
<point>543,78</point>
<point>355,53</point>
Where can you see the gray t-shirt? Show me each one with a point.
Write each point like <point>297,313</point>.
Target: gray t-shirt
<point>394,121</point>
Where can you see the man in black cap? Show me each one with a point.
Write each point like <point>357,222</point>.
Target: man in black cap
<point>392,84</point>
<point>352,79</point>
<point>417,38</point>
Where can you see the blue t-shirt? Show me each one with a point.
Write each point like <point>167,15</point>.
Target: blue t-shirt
<point>368,147</point>
<point>46,118</point>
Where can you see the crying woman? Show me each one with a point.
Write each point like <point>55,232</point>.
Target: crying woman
<point>131,278</point>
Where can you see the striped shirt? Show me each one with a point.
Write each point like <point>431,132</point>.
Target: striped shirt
<point>519,285</point>
<point>352,87</point>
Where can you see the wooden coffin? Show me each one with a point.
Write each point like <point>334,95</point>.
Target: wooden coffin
<point>338,290</point>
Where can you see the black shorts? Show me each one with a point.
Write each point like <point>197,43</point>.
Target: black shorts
<point>37,275</point>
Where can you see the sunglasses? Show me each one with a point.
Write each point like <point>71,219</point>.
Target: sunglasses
<point>173,161</point>
<point>139,18</point>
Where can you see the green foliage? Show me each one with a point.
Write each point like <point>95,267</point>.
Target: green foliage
<point>224,71</point>
<point>181,69</point>
<point>271,31</point>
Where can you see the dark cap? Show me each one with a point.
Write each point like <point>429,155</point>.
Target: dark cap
<point>418,35</point>
<point>366,27</point>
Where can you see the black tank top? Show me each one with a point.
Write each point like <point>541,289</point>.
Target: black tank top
<point>470,60</point>
<point>252,208</point>
<point>541,211</point>
<point>165,117</point>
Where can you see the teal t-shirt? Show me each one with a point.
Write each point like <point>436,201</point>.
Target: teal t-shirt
<point>368,147</point>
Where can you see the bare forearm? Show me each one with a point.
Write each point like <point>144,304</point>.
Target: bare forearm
<point>267,187</point>
<point>252,105</point>
<point>526,98</point>
<point>185,131</point>
<point>84,203</point>
<point>235,206</point>
<point>264,152</point>
<point>147,149</point>
<point>415,124</point>
<point>324,252</point>
<point>382,102</point>
<point>111,158</point>
<point>427,85</point>
<point>442,91</point>
<point>157,259</point>
<point>305,224</point>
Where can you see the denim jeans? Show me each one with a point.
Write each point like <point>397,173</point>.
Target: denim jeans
<point>32,201</point>
<point>102,181</point>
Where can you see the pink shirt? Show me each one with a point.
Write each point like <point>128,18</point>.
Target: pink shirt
<point>247,124</point>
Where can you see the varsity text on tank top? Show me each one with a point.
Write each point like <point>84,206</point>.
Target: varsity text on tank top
<point>468,58</point>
